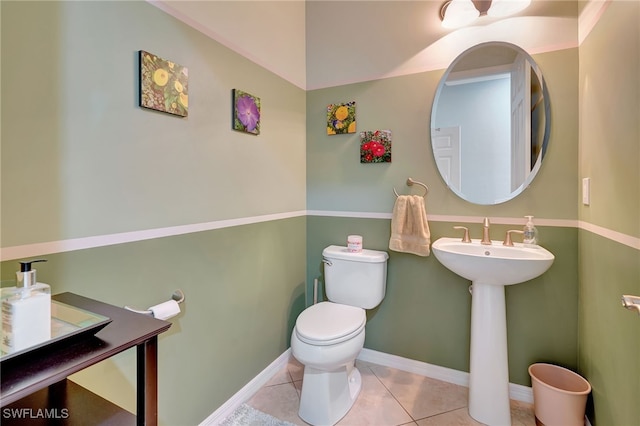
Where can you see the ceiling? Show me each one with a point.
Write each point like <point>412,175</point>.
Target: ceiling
<point>324,43</point>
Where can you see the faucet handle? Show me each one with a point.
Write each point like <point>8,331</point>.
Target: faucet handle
<point>507,238</point>
<point>486,238</point>
<point>465,238</point>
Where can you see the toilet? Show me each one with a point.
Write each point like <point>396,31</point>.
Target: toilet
<point>328,336</point>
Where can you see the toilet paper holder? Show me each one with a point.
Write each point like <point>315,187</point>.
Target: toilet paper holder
<point>177,295</point>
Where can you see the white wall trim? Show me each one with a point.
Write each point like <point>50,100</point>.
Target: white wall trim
<point>359,215</point>
<point>628,240</point>
<point>616,236</point>
<point>570,223</point>
<point>589,17</point>
<point>248,390</point>
<point>39,249</point>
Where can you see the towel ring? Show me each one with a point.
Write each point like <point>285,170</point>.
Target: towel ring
<point>411,182</point>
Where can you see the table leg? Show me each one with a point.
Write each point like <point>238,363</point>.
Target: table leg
<point>147,384</point>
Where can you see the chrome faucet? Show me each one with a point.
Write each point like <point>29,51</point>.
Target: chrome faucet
<point>486,239</point>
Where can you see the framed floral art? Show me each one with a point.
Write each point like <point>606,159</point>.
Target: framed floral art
<point>164,85</point>
<point>341,118</point>
<point>246,112</point>
<point>375,146</point>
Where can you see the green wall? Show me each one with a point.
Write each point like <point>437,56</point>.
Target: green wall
<point>338,182</point>
<point>244,288</point>
<point>426,312</point>
<point>571,315</point>
<point>96,163</point>
<point>83,167</point>
<point>80,160</point>
<point>609,343</point>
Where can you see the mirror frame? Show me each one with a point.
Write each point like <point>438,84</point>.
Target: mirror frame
<point>547,120</point>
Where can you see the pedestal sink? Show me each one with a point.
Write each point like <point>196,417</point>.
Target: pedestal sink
<point>490,268</point>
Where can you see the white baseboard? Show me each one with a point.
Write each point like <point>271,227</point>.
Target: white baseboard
<point>248,390</point>
<point>417,367</point>
<point>516,392</point>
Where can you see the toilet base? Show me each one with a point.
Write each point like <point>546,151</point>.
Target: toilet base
<point>327,396</point>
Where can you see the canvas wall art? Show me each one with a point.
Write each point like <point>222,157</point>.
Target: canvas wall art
<point>375,146</point>
<point>246,112</point>
<point>341,118</point>
<point>164,85</point>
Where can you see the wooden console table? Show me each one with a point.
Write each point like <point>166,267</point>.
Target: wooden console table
<point>35,386</point>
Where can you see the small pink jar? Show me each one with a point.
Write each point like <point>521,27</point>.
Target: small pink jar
<point>354,243</point>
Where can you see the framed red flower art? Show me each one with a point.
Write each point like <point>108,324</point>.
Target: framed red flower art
<point>375,146</point>
<point>246,112</point>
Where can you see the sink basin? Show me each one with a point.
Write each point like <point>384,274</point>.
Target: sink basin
<point>490,268</point>
<point>493,264</point>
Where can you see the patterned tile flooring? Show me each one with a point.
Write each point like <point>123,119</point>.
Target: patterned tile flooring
<point>389,397</point>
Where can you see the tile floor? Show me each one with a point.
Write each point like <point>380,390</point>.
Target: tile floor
<point>389,397</point>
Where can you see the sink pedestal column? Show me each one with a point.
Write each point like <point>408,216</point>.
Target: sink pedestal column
<point>489,365</point>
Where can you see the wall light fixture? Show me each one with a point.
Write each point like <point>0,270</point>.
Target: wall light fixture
<point>458,13</point>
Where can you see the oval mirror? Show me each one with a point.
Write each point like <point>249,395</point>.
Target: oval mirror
<point>490,123</point>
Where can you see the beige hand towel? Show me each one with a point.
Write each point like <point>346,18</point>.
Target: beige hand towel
<point>409,226</point>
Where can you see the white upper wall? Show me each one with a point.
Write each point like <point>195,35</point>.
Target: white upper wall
<point>354,41</point>
<point>269,33</point>
<point>322,43</point>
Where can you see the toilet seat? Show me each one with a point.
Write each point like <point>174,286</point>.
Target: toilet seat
<point>329,323</point>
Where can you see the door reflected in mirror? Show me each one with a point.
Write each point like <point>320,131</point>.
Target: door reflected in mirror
<point>490,123</point>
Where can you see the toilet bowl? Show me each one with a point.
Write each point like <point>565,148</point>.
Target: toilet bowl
<point>328,336</point>
<point>327,339</point>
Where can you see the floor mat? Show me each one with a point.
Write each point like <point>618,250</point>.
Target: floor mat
<point>245,415</point>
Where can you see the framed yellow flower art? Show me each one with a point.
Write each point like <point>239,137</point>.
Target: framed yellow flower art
<point>341,118</point>
<point>164,85</point>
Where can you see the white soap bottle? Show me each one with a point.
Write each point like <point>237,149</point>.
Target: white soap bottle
<point>26,311</point>
<point>530,233</point>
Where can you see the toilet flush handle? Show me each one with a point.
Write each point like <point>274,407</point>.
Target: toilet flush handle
<point>631,302</point>
<point>326,261</point>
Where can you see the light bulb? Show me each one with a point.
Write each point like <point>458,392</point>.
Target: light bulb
<point>502,8</point>
<point>459,13</point>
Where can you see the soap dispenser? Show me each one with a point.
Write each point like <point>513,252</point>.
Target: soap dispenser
<point>530,233</point>
<point>26,311</point>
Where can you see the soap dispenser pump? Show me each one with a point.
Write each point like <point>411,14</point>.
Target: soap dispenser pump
<point>26,276</point>
<point>530,233</point>
<point>26,311</point>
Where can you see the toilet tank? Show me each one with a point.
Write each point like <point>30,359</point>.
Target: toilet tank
<point>356,279</point>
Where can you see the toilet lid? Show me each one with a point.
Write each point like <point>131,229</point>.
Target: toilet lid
<point>329,323</point>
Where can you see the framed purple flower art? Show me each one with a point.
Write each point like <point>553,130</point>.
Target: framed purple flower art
<point>246,112</point>
<point>163,85</point>
<point>375,147</point>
